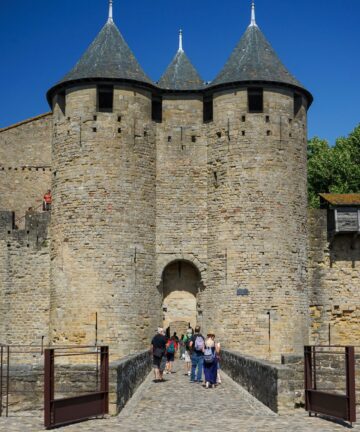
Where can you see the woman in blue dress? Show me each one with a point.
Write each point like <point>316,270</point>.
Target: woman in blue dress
<point>211,353</point>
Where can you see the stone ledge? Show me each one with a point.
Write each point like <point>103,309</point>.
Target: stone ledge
<point>127,374</point>
<point>270,383</point>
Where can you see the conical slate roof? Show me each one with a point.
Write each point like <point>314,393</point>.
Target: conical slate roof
<point>110,57</point>
<point>253,59</point>
<point>181,74</point>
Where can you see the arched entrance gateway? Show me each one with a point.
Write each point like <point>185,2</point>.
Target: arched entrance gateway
<point>181,283</point>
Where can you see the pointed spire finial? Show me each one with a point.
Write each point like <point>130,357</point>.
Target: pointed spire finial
<point>253,21</point>
<point>110,19</point>
<point>181,40</point>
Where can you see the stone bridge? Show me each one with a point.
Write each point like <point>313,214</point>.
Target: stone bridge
<point>181,406</point>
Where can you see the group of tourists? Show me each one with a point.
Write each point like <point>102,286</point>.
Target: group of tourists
<point>201,355</point>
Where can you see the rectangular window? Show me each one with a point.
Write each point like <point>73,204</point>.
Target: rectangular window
<point>208,108</point>
<point>61,101</point>
<point>105,98</point>
<point>297,103</point>
<point>255,100</point>
<point>156,113</point>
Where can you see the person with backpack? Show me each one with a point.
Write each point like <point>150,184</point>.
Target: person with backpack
<point>158,347</point>
<point>211,353</point>
<point>197,346</point>
<point>171,348</point>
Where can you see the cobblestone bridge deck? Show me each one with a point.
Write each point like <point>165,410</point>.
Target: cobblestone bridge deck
<point>181,406</point>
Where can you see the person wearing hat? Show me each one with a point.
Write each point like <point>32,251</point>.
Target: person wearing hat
<point>211,353</point>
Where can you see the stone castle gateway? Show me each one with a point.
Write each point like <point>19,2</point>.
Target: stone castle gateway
<point>174,202</point>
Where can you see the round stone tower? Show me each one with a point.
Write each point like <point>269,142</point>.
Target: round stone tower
<point>103,286</point>
<point>257,200</point>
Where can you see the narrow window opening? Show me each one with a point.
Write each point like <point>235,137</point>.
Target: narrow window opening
<point>95,117</point>
<point>243,133</point>
<point>9,232</point>
<point>290,135</point>
<point>61,102</point>
<point>297,103</point>
<point>267,119</point>
<point>268,133</point>
<point>119,118</point>
<point>156,109</point>
<point>216,184</point>
<point>193,139</point>
<point>255,100</point>
<point>218,134</point>
<point>145,133</point>
<point>105,98</point>
<point>119,130</point>
<point>243,118</point>
<point>208,109</point>
<point>94,129</point>
<point>169,138</point>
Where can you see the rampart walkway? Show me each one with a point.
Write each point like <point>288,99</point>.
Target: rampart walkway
<point>177,405</point>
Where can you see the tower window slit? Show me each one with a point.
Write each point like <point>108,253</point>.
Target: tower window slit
<point>255,100</point>
<point>208,109</point>
<point>297,103</point>
<point>156,109</point>
<point>105,98</point>
<point>193,139</point>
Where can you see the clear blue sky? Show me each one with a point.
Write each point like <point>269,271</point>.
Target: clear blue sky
<point>318,41</point>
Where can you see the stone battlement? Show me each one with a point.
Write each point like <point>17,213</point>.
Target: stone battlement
<point>34,234</point>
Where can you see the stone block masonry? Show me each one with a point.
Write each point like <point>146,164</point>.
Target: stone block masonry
<point>24,280</point>
<point>25,165</point>
<point>334,280</point>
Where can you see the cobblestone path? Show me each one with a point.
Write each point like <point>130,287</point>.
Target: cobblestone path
<point>181,406</point>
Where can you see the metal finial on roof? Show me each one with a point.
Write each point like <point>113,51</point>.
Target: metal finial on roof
<point>253,21</point>
<point>110,19</point>
<point>180,40</point>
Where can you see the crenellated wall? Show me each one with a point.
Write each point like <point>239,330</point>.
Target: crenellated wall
<point>25,165</point>
<point>24,279</point>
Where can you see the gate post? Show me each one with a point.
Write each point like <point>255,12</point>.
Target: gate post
<point>307,374</point>
<point>104,376</point>
<point>350,382</point>
<point>48,387</point>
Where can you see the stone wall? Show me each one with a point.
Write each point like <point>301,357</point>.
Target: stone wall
<point>27,380</point>
<point>181,189</point>
<point>257,255</point>
<point>24,279</point>
<point>334,278</point>
<point>131,372</point>
<point>272,384</point>
<point>25,165</point>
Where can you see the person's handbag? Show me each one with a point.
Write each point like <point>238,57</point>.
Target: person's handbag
<point>158,352</point>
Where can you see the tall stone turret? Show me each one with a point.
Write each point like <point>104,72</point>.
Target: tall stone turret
<point>256,296</point>
<point>103,218</point>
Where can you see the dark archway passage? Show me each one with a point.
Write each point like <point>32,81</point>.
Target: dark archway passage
<point>181,282</point>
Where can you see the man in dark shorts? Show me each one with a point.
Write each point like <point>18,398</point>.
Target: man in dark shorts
<point>158,347</point>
